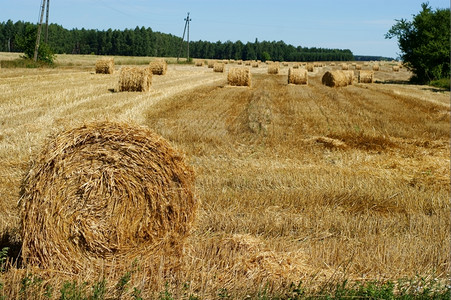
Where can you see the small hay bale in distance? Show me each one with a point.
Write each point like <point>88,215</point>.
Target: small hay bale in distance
<point>334,79</point>
<point>104,194</point>
<point>199,63</point>
<point>358,67</point>
<point>366,76</point>
<point>295,66</point>
<point>310,67</point>
<point>297,76</point>
<point>344,66</point>
<point>375,67</point>
<point>105,66</point>
<point>255,64</point>
<point>211,64</point>
<point>273,68</point>
<point>239,77</point>
<point>219,67</point>
<point>158,67</point>
<point>395,68</point>
<point>135,79</point>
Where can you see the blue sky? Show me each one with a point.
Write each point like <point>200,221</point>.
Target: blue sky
<point>358,25</point>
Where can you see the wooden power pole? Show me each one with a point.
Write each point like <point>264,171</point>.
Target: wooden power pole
<point>47,23</point>
<point>38,37</point>
<point>187,20</point>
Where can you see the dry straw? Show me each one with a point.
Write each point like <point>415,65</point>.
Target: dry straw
<point>135,79</point>
<point>297,76</point>
<point>366,76</point>
<point>344,67</point>
<point>239,77</point>
<point>103,195</point>
<point>335,79</point>
<point>158,67</point>
<point>199,63</point>
<point>105,66</point>
<point>349,76</point>
<point>395,68</point>
<point>211,64</point>
<point>375,67</point>
<point>255,64</point>
<point>219,67</point>
<point>310,67</point>
<point>358,67</point>
<point>273,68</point>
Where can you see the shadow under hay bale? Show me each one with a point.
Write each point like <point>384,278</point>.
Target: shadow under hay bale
<point>135,79</point>
<point>105,66</point>
<point>103,195</point>
<point>334,79</point>
<point>297,76</point>
<point>158,67</point>
<point>239,77</point>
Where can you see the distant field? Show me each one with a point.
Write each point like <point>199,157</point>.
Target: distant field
<point>296,183</point>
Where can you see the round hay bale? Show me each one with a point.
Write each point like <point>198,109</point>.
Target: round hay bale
<point>219,67</point>
<point>344,66</point>
<point>135,79</point>
<point>335,79</point>
<point>273,68</point>
<point>158,67</point>
<point>296,66</point>
<point>297,76</point>
<point>395,68</point>
<point>349,76</point>
<point>255,64</point>
<point>105,66</point>
<point>239,77</point>
<point>358,67</point>
<point>211,64</point>
<point>375,67</point>
<point>310,67</point>
<point>199,63</point>
<point>366,76</point>
<point>104,194</point>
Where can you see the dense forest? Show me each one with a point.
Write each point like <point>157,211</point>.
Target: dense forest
<point>143,41</point>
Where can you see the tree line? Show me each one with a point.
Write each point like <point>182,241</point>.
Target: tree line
<point>143,41</point>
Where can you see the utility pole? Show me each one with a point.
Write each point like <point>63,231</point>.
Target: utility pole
<point>38,37</point>
<point>47,23</point>
<point>187,19</point>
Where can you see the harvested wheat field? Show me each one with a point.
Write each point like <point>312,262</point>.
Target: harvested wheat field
<point>294,183</point>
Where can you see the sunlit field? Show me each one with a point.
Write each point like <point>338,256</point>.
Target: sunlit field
<point>296,183</point>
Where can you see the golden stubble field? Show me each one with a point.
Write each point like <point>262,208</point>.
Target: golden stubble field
<point>296,183</point>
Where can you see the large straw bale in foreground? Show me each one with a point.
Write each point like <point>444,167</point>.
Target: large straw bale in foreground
<point>335,79</point>
<point>158,67</point>
<point>103,195</point>
<point>135,79</point>
<point>105,66</point>
<point>239,77</point>
<point>366,77</point>
<point>349,76</point>
<point>297,76</point>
